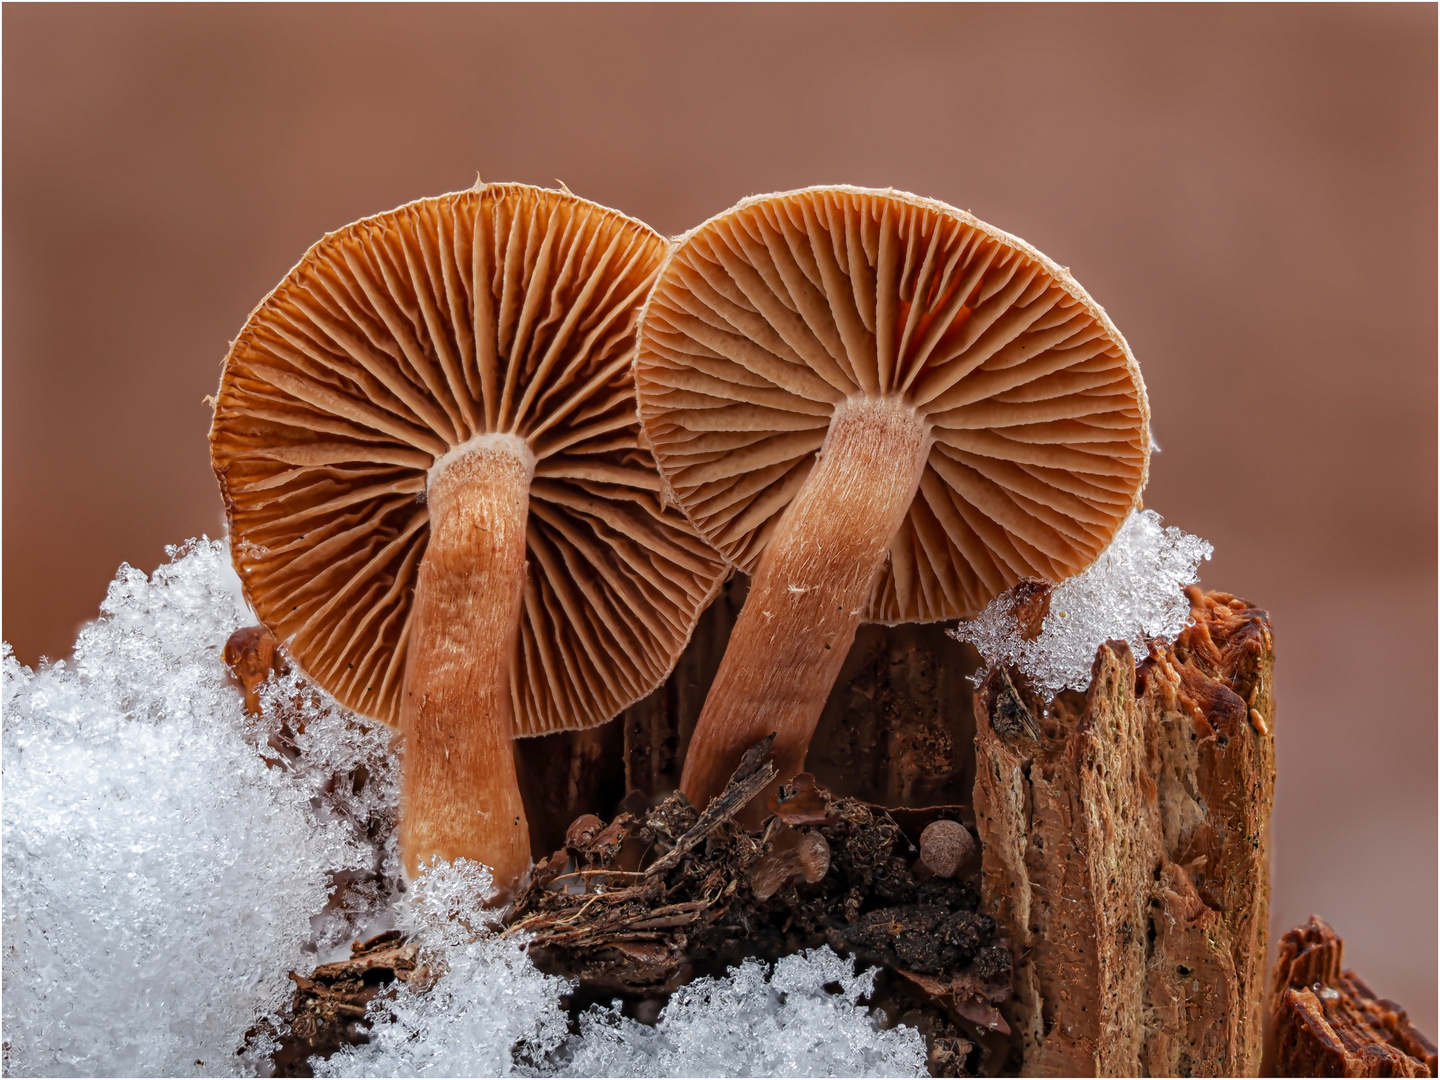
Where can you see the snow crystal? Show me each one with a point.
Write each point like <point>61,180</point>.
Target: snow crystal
<point>1133,591</point>
<point>749,1024</point>
<point>489,1005</point>
<point>344,763</point>
<point>493,1014</point>
<point>167,860</point>
<point>160,879</point>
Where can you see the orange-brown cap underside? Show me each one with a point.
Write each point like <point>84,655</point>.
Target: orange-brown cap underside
<point>507,309</point>
<point>767,316</point>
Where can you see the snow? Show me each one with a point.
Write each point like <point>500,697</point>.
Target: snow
<point>755,1022</point>
<point>494,1014</point>
<point>161,879</point>
<point>1133,591</point>
<point>489,1006</point>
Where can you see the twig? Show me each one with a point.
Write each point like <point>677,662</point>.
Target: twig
<point>750,778</point>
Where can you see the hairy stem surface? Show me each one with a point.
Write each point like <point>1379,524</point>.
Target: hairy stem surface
<point>809,593</point>
<point>460,793</point>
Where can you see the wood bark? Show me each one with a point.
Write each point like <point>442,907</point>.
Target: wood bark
<point>1125,852</point>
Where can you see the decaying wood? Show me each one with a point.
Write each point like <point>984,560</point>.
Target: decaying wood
<point>1125,852</point>
<point>1326,1022</point>
<point>328,1011</point>
<point>751,776</point>
<point>1123,863</point>
<point>566,774</point>
<point>658,727</point>
<point>897,730</point>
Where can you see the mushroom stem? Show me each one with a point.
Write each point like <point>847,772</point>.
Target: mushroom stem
<point>810,592</point>
<point>460,795</point>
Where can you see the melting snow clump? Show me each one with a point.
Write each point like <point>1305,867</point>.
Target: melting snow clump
<point>160,879</point>
<point>1134,590</point>
<point>168,860</point>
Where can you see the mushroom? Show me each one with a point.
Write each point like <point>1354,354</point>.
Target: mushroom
<point>427,444</point>
<point>884,410</point>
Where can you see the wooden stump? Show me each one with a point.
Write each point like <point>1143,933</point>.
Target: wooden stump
<point>1124,831</point>
<point>897,730</point>
<point>1123,856</point>
<point>1125,852</point>
<point>1325,1021</point>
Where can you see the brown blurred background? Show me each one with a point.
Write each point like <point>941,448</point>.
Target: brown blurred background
<point>1250,191</point>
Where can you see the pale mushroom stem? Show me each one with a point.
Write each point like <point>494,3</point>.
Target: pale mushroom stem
<point>809,593</point>
<point>460,795</point>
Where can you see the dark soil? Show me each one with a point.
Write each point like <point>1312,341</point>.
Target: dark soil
<point>639,906</point>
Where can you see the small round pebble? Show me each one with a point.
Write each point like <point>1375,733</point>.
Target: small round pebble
<point>946,847</point>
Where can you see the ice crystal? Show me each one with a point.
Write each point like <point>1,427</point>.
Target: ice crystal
<point>488,1007</point>
<point>160,879</point>
<point>755,1022</point>
<point>1133,591</point>
<point>345,765</point>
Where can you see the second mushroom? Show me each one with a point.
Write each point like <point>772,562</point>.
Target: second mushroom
<point>427,444</point>
<point>885,410</point>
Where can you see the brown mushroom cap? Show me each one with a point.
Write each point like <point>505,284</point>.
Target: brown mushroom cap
<point>506,309</point>
<point>767,317</point>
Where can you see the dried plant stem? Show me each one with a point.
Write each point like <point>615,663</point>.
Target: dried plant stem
<point>811,589</point>
<point>461,797</point>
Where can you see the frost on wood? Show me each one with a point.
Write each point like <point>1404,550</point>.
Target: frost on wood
<point>491,1013</point>
<point>1133,591</point>
<point>1125,851</point>
<point>160,879</point>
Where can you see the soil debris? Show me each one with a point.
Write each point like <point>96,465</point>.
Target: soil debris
<point>328,1011</point>
<point>656,898</point>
